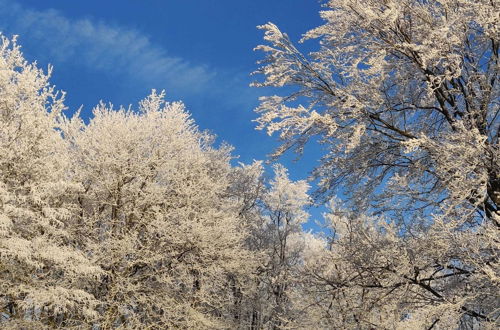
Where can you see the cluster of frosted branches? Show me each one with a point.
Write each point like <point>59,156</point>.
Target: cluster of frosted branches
<point>135,220</point>
<point>398,89</point>
<point>405,97</point>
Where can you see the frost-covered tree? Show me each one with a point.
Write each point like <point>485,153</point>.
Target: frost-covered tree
<point>283,211</point>
<point>405,97</point>
<point>135,220</point>
<point>274,211</point>
<point>372,276</point>
<point>157,216</point>
<point>43,274</point>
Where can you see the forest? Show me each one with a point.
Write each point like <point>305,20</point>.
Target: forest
<point>138,219</point>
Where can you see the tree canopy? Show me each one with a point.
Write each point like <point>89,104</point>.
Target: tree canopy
<point>137,219</point>
<point>404,96</point>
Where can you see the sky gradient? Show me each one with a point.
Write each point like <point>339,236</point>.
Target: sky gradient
<point>199,51</point>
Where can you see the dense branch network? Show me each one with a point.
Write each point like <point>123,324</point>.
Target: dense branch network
<point>136,220</point>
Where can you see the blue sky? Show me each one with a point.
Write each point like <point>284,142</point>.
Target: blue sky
<point>199,51</point>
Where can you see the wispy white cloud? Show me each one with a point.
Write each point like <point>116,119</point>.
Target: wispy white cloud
<point>102,46</point>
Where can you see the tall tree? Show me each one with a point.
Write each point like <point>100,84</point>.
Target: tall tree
<point>43,274</point>
<point>274,210</point>
<point>284,205</point>
<point>135,219</point>
<point>157,216</point>
<point>405,96</point>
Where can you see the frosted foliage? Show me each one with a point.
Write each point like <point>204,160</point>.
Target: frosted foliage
<point>280,240</point>
<point>273,209</point>
<point>288,197</point>
<point>131,221</point>
<point>37,257</point>
<point>158,216</point>
<point>137,221</point>
<point>398,90</point>
<point>404,95</point>
<point>371,276</point>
